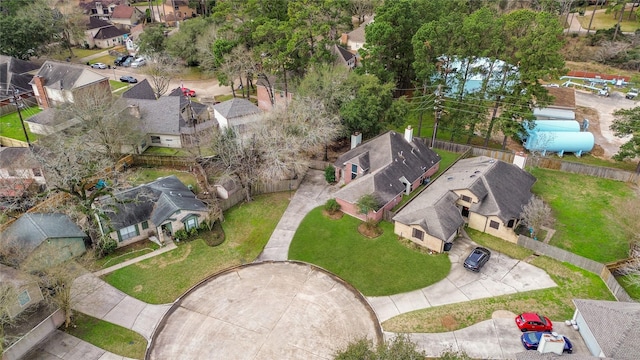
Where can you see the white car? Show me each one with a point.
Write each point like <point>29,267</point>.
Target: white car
<point>99,66</point>
<point>138,62</point>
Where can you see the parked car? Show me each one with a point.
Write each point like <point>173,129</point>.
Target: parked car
<point>632,94</point>
<point>99,66</point>
<point>138,62</point>
<point>533,322</point>
<point>530,341</point>
<point>128,79</point>
<point>476,260</point>
<point>188,92</point>
<point>121,60</point>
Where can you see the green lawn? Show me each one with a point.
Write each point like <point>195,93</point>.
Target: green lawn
<point>144,175</point>
<point>126,253</point>
<point>585,209</point>
<point>116,85</point>
<point>163,278</point>
<point>165,151</point>
<point>591,160</point>
<point>11,127</point>
<point>607,21</point>
<point>632,290</point>
<point>376,267</point>
<point>108,336</point>
<point>556,303</point>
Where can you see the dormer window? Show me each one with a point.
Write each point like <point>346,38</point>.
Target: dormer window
<point>466,198</point>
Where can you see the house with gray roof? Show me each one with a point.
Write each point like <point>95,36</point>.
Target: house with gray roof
<point>237,113</point>
<point>355,39</point>
<point>57,83</point>
<point>40,240</point>
<point>15,75</point>
<point>386,167</point>
<point>157,209</point>
<point>142,91</point>
<point>482,193</point>
<point>610,329</point>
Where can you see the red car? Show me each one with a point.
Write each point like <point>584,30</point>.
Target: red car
<point>533,322</point>
<point>188,92</point>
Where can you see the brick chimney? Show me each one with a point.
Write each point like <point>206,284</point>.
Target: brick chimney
<point>41,92</point>
<point>344,38</point>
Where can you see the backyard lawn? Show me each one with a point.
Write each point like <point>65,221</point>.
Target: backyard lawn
<point>108,336</point>
<point>376,267</point>
<point>585,209</point>
<point>11,127</point>
<point>556,303</point>
<point>162,279</point>
<point>606,21</point>
<point>143,175</point>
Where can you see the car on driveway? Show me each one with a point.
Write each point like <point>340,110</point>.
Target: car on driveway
<point>530,341</point>
<point>476,260</point>
<point>632,94</point>
<point>99,66</point>
<point>533,322</point>
<point>138,62</point>
<point>121,60</point>
<point>128,79</point>
<point>188,92</point>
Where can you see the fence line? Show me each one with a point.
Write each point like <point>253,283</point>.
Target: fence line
<point>260,188</point>
<point>590,265</point>
<point>9,142</point>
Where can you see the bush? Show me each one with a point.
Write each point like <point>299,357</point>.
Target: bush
<point>105,246</point>
<point>330,174</point>
<point>181,234</point>
<point>215,236</point>
<point>332,206</point>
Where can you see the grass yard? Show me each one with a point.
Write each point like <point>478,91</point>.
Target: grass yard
<point>143,175</point>
<point>116,85</point>
<point>556,303</point>
<point>163,278</point>
<point>106,59</point>
<point>126,253</point>
<point>108,336</point>
<point>607,21</point>
<point>165,151</point>
<point>11,127</point>
<point>632,290</point>
<point>588,159</point>
<point>585,209</point>
<point>376,267</point>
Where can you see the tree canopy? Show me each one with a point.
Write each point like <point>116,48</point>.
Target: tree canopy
<point>627,123</point>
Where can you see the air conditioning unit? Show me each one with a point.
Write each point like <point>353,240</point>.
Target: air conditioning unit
<point>551,343</point>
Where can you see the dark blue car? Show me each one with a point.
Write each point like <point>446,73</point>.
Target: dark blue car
<point>531,339</point>
<point>476,260</point>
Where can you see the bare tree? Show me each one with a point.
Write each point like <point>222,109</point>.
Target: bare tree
<point>536,214</point>
<point>161,69</point>
<point>362,8</point>
<point>8,296</point>
<point>57,282</point>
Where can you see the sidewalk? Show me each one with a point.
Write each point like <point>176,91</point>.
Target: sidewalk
<point>61,345</point>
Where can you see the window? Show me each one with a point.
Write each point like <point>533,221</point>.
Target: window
<point>36,172</point>
<point>466,198</point>
<point>145,225</point>
<point>418,234</point>
<point>155,139</point>
<point>128,232</point>
<point>24,298</point>
<point>191,223</point>
<point>494,224</point>
<point>354,171</point>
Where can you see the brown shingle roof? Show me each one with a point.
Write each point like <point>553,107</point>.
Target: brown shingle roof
<point>122,12</point>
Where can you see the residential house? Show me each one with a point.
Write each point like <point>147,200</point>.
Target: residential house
<point>27,291</point>
<point>563,106</point>
<point>131,40</point>
<point>345,57</point>
<point>610,329</point>
<point>57,83</point>
<point>170,121</point>
<point>176,11</point>
<point>99,9</point>
<point>40,240</point>
<point>387,167</point>
<point>157,209</point>
<point>15,75</point>
<point>482,193</point>
<point>355,39</point>
<point>46,122</point>
<point>101,33</point>
<point>125,16</point>
<point>237,113</point>
<point>269,94</point>
<point>20,175</point>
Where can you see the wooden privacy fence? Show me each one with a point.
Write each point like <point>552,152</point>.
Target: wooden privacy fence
<point>590,265</point>
<point>154,160</point>
<point>261,188</point>
<point>9,142</point>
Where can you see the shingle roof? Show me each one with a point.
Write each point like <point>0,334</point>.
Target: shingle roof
<point>385,159</point>
<point>17,158</point>
<point>141,90</point>
<point>31,229</point>
<point>236,108</point>
<point>615,326</point>
<point>343,54</point>
<point>13,72</point>
<point>45,117</point>
<point>18,66</point>
<point>160,116</point>
<point>357,35</point>
<point>122,12</point>
<point>156,201</point>
<point>65,76</point>
<point>96,23</point>
<point>502,190</point>
<point>109,32</point>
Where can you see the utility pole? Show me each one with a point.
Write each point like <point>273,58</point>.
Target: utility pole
<point>437,108</point>
<point>16,98</point>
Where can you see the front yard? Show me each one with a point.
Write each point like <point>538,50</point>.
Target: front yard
<point>376,267</point>
<point>163,278</point>
<point>108,336</point>
<point>11,127</point>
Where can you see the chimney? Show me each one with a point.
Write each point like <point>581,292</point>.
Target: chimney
<point>344,38</point>
<point>41,92</point>
<point>134,110</point>
<point>408,134</point>
<point>356,139</point>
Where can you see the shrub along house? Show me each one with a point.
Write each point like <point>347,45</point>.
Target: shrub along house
<point>386,167</point>
<point>483,193</point>
<point>151,211</point>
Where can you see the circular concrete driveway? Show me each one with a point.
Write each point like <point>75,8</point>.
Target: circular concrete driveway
<point>271,310</point>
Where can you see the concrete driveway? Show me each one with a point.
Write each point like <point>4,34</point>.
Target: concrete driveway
<point>62,346</point>
<point>500,276</point>
<point>269,310</point>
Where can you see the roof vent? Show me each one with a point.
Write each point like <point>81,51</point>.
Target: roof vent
<point>477,172</point>
<point>171,193</point>
<point>450,178</point>
<point>472,176</point>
